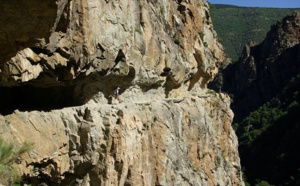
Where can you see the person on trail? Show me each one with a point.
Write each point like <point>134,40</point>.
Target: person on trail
<point>116,93</point>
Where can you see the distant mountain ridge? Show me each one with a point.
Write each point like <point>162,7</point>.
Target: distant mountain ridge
<point>246,24</point>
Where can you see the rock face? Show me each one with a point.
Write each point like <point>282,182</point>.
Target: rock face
<point>24,23</point>
<point>166,128</point>
<point>264,84</point>
<point>187,141</point>
<point>264,69</point>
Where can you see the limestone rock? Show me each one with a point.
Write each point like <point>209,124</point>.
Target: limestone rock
<point>165,128</point>
<point>160,142</point>
<point>123,38</point>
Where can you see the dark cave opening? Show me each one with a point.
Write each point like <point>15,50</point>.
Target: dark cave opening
<point>45,97</point>
<point>28,98</point>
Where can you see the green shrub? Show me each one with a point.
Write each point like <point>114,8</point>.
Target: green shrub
<point>220,40</point>
<point>8,154</point>
<point>177,41</point>
<point>138,30</point>
<point>212,92</point>
<point>262,183</point>
<point>8,175</point>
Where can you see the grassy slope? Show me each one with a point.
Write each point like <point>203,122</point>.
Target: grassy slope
<point>236,26</point>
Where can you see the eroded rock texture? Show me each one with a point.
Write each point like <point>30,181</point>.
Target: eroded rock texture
<point>186,141</point>
<point>165,129</point>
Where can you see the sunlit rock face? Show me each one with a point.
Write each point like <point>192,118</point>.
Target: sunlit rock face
<point>166,127</point>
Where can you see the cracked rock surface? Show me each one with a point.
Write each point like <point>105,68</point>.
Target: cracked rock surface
<point>165,128</point>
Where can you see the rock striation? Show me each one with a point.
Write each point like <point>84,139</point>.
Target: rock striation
<point>166,128</point>
<point>187,141</point>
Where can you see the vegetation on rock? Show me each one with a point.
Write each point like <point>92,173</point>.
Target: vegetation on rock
<point>265,86</point>
<point>9,154</point>
<point>269,138</point>
<point>236,26</point>
<point>162,130</point>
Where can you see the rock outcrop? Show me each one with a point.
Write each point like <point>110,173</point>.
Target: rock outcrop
<point>166,128</point>
<point>263,69</point>
<point>264,85</point>
<point>186,141</point>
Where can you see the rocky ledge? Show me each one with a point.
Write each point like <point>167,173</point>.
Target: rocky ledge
<point>166,128</point>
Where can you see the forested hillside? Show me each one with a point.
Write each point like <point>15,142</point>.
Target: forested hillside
<point>269,139</point>
<point>264,85</point>
<point>236,26</point>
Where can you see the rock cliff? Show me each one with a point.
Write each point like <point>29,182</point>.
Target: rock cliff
<point>265,84</point>
<point>263,69</point>
<point>61,61</point>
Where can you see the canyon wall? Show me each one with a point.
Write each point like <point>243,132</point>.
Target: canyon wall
<point>59,66</point>
<point>263,69</point>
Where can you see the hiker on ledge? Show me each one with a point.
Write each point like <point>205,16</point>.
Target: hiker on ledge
<point>116,93</point>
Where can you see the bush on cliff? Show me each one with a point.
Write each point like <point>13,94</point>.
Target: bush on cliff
<point>8,154</point>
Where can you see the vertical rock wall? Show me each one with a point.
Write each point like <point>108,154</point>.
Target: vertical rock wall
<point>166,128</point>
<point>182,141</point>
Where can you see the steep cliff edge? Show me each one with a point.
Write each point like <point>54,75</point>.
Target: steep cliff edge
<point>167,128</point>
